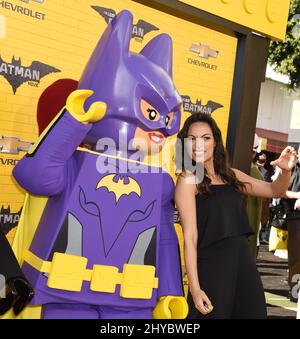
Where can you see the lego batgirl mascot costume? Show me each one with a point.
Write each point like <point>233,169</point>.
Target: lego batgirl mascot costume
<point>105,246</point>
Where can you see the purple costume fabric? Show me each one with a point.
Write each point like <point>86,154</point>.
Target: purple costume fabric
<point>84,216</point>
<point>74,311</point>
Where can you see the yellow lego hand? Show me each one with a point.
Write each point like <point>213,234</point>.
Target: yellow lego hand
<point>75,104</point>
<point>171,307</point>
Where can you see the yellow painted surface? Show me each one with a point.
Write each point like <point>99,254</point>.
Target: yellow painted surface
<point>280,301</point>
<point>268,17</point>
<point>2,26</point>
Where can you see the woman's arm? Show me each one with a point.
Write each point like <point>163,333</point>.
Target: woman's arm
<point>292,195</point>
<point>186,204</point>
<point>276,189</point>
<point>297,204</point>
<point>264,189</point>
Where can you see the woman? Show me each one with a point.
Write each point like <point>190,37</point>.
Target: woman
<point>223,279</point>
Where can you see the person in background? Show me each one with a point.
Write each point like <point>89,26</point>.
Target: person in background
<point>265,170</point>
<point>293,225</point>
<point>260,162</point>
<point>254,203</point>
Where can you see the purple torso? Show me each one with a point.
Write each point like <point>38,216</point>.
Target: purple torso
<point>105,227</point>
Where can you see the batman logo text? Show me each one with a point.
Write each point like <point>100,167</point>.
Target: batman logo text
<point>16,74</point>
<point>139,30</point>
<point>8,219</point>
<point>198,107</point>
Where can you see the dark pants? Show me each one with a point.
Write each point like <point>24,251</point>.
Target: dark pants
<point>293,224</point>
<point>229,277</point>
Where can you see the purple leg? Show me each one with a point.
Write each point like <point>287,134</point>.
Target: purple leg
<point>69,311</point>
<point>125,313</point>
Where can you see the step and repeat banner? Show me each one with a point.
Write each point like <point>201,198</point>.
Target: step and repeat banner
<point>42,41</point>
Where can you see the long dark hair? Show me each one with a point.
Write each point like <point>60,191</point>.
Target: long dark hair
<point>220,161</point>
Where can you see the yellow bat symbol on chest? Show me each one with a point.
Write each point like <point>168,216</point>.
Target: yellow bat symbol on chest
<point>120,185</point>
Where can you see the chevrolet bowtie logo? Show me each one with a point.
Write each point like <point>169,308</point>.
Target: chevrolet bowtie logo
<point>204,50</point>
<point>13,145</point>
<point>39,1</point>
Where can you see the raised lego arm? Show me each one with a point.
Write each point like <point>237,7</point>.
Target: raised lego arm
<point>171,302</point>
<point>44,170</point>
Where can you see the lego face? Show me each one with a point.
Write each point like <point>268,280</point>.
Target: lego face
<point>153,140</point>
<point>152,114</point>
<point>142,101</point>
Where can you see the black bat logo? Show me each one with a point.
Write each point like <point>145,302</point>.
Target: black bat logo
<point>176,216</point>
<point>107,13</point>
<point>139,29</point>
<point>16,74</point>
<point>8,220</point>
<point>193,108</point>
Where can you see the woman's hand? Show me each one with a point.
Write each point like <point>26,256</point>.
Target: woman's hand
<point>202,303</point>
<point>287,159</point>
<point>297,205</point>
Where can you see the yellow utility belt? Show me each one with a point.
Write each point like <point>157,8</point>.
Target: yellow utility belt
<point>67,272</point>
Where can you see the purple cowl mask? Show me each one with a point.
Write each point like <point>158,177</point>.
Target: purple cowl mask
<point>122,79</point>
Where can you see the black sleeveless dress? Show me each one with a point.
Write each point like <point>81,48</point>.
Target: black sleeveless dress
<point>221,214</point>
<point>226,271</point>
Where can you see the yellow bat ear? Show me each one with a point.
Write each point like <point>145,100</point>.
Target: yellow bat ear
<point>75,103</point>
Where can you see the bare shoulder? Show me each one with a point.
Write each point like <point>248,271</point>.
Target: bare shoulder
<point>186,184</point>
<point>237,172</point>
<point>241,176</point>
